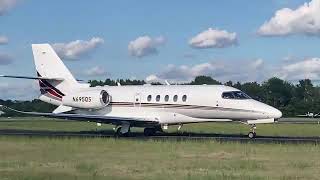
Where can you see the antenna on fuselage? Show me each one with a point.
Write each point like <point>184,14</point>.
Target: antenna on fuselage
<point>167,83</point>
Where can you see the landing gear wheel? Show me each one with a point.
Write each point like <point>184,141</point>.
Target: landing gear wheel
<point>118,133</point>
<point>149,131</point>
<point>252,135</point>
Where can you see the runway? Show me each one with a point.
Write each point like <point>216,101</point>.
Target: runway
<point>163,136</point>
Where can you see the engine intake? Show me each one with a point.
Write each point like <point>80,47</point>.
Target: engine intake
<point>87,100</point>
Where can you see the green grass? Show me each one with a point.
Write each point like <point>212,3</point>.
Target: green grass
<point>41,123</point>
<point>262,129</point>
<point>98,158</point>
<point>218,128</point>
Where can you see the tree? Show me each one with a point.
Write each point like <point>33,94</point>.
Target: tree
<point>290,99</point>
<point>94,83</point>
<point>238,85</point>
<point>304,96</point>
<point>254,90</point>
<point>200,80</point>
<point>277,92</point>
<point>229,83</point>
<point>305,90</point>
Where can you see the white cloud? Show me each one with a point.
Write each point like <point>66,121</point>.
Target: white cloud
<point>308,68</point>
<point>152,78</point>
<point>243,71</point>
<point>76,49</point>
<point>145,46</point>
<point>219,70</point>
<point>96,71</point>
<point>257,64</point>
<point>6,5</point>
<point>19,91</point>
<point>213,38</point>
<point>4,40</point>
<point>288,59</point>
<point>303,20</point>
<point>5,59</point>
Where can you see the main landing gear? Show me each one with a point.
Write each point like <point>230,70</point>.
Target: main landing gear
<point>123,130</point>
<point>252,134</point>
<point>151,131</point>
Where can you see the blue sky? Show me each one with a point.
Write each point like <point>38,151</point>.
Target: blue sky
<point>165,29</point>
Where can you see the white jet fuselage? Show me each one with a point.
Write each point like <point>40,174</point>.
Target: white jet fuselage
<point>150,106</point>
<point>179,104</point>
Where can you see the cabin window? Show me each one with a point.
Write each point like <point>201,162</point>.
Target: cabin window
<point>184,98</point>
<point>158,98</point>
<point>166,98</point>
<point>240,95</point>
<point>235,95</point>
<point>227,95</point>
<point>149,98</point>
<point>175,98</point>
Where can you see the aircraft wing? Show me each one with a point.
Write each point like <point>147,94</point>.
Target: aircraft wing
<point>92,118</point>
<point>34,78</point>
<point>303,116</point>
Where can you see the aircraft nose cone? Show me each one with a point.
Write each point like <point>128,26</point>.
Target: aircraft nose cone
<point>275,113</point>
<point>268,111</point>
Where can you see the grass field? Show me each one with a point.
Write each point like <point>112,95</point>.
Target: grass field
<point>215,128</point>
<point>99,158</point>
<point>75,158</point>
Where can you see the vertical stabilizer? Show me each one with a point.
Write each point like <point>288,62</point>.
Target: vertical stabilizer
<point>49,65</point>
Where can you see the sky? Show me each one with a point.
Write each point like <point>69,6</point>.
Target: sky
<point>162,40</point>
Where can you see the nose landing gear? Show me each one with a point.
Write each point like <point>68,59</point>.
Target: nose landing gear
<point>252,134</point>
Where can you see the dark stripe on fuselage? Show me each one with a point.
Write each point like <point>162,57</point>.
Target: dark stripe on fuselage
<point>45,82</point>
<point>46,87</point>
<point>175,106</point>
<point>52,97</point>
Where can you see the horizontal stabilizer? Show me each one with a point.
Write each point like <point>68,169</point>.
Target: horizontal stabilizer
<point>87,117</point>
<point>35,78</point>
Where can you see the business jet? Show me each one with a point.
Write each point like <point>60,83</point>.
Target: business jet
<point>152,107</point>
<point>309,115</point>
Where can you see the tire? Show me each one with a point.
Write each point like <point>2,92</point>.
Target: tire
<point>149,131</point>
<point>120,134</point>
<point>251,135</point>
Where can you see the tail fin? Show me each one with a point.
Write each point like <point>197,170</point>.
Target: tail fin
<point>49,65</point>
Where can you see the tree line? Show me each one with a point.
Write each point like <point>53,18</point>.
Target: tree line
<point>291,99</point>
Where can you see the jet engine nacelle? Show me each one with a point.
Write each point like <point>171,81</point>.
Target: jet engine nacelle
<point>87,100</point>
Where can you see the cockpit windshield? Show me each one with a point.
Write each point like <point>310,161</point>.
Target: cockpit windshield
<point>235,95</point>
